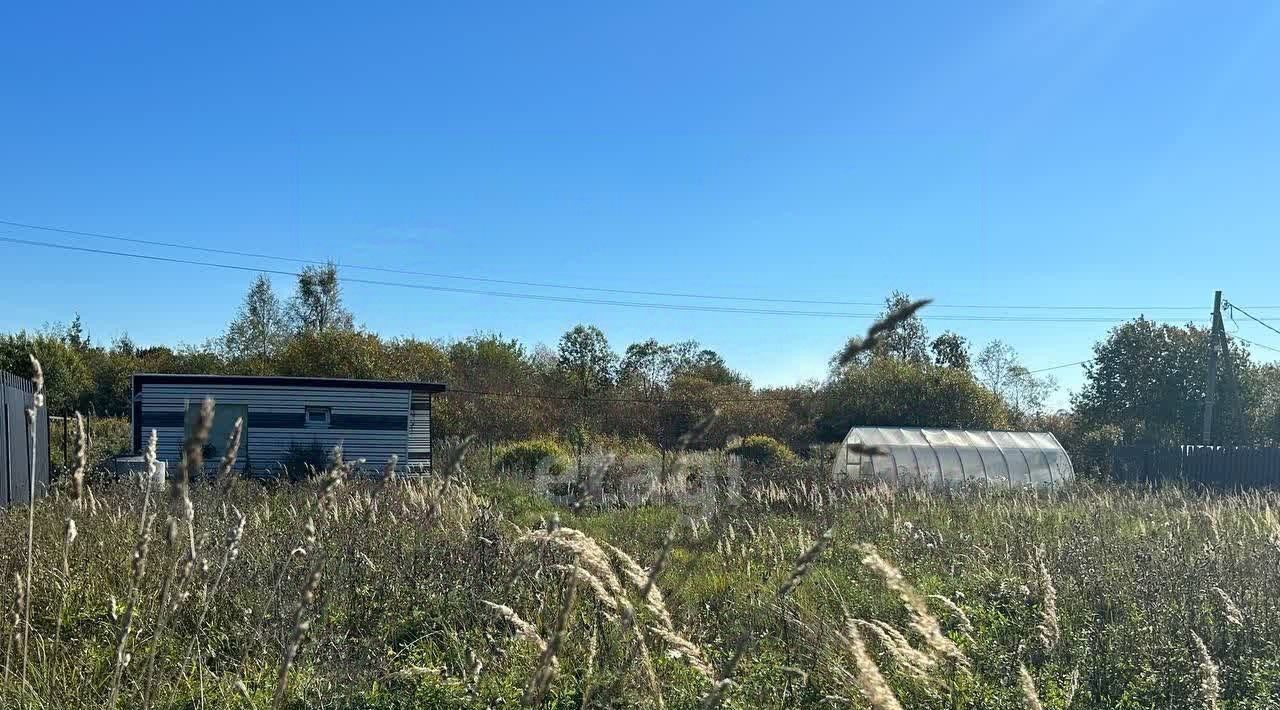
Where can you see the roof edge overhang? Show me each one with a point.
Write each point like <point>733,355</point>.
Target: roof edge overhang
<point>144,378</point>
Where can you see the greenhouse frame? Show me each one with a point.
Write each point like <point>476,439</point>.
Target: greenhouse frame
<point>953,457</point>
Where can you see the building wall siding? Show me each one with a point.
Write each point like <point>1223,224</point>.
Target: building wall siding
<point>369,423</point>
<point>420,429</point>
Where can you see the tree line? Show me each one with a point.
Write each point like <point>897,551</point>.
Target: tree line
<point>1145,383</point>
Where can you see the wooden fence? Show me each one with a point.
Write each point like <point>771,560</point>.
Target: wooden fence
<point>15,442</point>
<point>1219,466</point>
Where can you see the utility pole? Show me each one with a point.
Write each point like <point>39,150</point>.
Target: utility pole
<point>580,439</point>
<point>1211,383</point>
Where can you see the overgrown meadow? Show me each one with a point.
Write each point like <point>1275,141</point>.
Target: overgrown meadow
<point>355,589</point>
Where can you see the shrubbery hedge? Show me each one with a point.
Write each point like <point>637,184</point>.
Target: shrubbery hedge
<point>764,451</point>
<point>528,455</point>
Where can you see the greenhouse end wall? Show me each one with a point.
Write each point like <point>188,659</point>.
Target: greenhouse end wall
<point>953,457</point>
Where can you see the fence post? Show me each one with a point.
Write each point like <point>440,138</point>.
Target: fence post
<point>66,452</point>
<point>48,451</point>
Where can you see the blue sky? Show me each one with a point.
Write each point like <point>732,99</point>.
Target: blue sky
<point>1076,153</point>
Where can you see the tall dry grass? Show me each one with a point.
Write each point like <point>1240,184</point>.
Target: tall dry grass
<point>380,591</point>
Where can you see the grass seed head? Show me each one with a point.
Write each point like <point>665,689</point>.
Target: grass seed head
<point>870,680</point>
<point>805,563</point>
<point>923,621</point>
<point>1049,629</point>
<point>1210,686</point>
<point>37,382</point>
<point>1030,698</point>
<point>523,628</point>
<point>877,330</point>
<point>82,455</point>
<point>1230,611</point>
<point>228,461</point>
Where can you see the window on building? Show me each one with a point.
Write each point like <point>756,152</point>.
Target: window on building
<point>317,418</point>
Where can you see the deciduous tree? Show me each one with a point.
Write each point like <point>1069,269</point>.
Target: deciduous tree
<point>585,357</point>
<point>908,340</point>
<point>893,392</point>
<point>1148,379</point>
<point>316,306</point>
<point>259,329</point>
<point>67,378</point>
<point>950,350</point>
<point>1001,371</point>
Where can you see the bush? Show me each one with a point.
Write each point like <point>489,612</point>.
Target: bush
<point>763,451</point>
<point>618,444</point>
<point>1089,445</point>
<point>302,459</point>
<point>526,456</point>
<point>894,393</point>
<point>108,437</point>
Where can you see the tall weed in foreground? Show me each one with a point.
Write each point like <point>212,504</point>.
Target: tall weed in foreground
<point>346,592</point>
<point>31,413</point>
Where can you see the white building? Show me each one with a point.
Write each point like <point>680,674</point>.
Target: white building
<point>371,419</point>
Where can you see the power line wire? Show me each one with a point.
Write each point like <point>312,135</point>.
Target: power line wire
<point>638,400</point>
<point>194,262</point>
<point>1257,345</point>
<point>560,299</point>
<point>412,272</point>
<point>622,400</point>
<point>537,284</point>
<point>426,287</point>
<point>1250,316</point>
<point>1228,304</point>
<point>1056,367</point>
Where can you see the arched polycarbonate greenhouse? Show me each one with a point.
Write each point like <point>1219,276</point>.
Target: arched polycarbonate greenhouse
<point>947,457</point>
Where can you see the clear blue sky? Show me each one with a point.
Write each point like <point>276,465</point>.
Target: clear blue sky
<point>1055,153</point>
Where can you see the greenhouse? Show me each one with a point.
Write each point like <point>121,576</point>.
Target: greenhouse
<point>947,457</point>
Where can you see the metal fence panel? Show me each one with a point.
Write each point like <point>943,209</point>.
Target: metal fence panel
<point>17,425</point>
<point>15,442</point>
<point>42,452</point>
<point>1216,466</point>
<point>4,439</point>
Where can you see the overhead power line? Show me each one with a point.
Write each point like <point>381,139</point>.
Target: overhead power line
<point>595,289</point>
<point>623,400</point>
<point>1234,308</point>
<point>1257,345</point>
<point>1237,309</point>
<point>558,299</point>
<point>675,400</point>
<point>427,287</point>
<point>1056,367</point>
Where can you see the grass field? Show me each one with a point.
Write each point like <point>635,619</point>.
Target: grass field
<point>479,592</point>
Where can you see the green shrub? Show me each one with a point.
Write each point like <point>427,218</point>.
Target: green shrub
<point>526,456</point>
<point>108,437</point>
<point>303,459</point>
<point>890,392</point>
<point>617,444</point>
<point>763,451</point>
